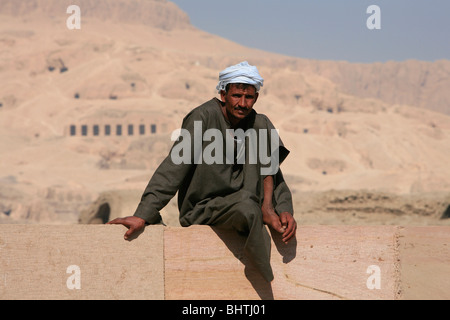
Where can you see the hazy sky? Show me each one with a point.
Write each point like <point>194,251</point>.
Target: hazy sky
<point>330,29</point>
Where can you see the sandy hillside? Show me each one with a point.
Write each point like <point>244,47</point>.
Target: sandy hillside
<point>369,143</point>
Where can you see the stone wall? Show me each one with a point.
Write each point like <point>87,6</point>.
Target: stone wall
<point>199,262</point>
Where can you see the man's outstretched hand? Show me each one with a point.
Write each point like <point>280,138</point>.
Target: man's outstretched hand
<point>134,225</point>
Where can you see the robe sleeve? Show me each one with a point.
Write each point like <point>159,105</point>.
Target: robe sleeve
<point>168,177</point>
<point>282,196</point>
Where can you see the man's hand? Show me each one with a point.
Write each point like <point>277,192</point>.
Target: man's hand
<point>289,224</point>
<point>283,223</point>
<point>134,224</point>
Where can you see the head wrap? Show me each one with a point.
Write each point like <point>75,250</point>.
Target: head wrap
<point>240,73</point>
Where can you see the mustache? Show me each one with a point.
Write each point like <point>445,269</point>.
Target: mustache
<point>241,108</point>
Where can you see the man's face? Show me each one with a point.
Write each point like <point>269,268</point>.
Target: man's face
<point>239,101</point>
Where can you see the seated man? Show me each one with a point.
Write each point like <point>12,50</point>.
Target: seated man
<point>230,188</point>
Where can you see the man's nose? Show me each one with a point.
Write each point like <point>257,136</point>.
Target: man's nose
<point>243,103</point>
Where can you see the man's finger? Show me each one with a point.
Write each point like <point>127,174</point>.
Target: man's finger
<point>291,227</point>
<point>290,233</point>
<point>116,221</point>
<point>284,220</point>
<point>129,233</point>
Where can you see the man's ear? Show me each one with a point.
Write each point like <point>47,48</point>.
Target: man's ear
<point>222,95</point>
<point>256,96</point>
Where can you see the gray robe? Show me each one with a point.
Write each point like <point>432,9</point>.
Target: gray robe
<point>218,194</point>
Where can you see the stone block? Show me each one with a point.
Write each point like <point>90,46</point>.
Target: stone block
<point>345,262</point>
<point>80,262</point>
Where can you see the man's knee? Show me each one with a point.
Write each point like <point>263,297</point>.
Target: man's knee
<point>247,213</point>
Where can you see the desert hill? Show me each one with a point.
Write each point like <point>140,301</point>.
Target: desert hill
<point>412,82</point>
<point>154,13</point>
<point>140,66</point>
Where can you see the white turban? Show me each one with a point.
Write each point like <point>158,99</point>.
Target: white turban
<point>240,73</point>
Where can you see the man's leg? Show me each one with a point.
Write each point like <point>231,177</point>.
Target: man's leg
<point>245,217</point>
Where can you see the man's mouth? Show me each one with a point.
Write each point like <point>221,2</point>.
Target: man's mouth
<point>241,110</point>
